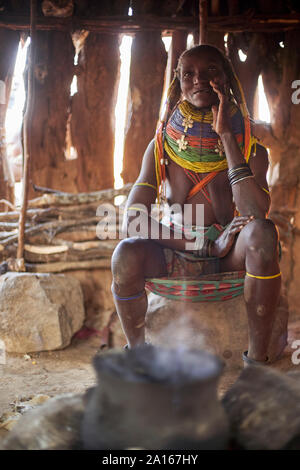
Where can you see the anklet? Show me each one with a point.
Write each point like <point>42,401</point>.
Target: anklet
<point>132,297</point>
<point>253,362</point>
<point>264,277</point>
<point>147,185</point>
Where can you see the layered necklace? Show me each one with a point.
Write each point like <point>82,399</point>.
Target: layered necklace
<point>191,142</point>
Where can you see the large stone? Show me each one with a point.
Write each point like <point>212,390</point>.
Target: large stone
<point>264,409</point>
<point>218,327</point>
<point>39,312</point>
<point>54,425</point>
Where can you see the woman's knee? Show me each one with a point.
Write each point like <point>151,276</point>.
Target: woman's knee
<point>262,239</point>
<point>128,258</point>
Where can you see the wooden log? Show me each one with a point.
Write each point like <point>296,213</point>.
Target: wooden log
<point>67,266</point>
<point>53,74</point>
<point>202,21</point>
<point>47,248</point>
<point>248,71</point>
<point>121,24</point>
<point>54,227</point>
<point>100,24</point>
<point>93,106</point>
<point>4,234</point>
<point>47,190</point>
<point>148,63</point>
<point>60,245</point>
<point>66,212</point>
<point>27,135</point>
<point>66,256</point>
<point>9,41</point>
<point>281,68</point>
<point>102,196</point>
<point>178,45</point>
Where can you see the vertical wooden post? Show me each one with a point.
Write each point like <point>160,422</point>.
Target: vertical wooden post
<point>202,21</point>
<point>27,136</point>
<point>178,45</point>
<point>9,41</point>
<point>53,74</point>
<point>148,63</point>
<point>179,39</point>
<point>93,111</point>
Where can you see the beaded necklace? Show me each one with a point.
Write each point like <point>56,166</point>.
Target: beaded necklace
<point>191,142</point>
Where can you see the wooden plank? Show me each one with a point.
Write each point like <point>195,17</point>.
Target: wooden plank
<point>104,195</point>
<point>59,267</point>
<point>27,134</point>
<point>148,59</point>
<point>117,24</point>
<point>202,21</point>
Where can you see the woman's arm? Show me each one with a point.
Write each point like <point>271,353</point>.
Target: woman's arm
<point>248,194</point>
<point>146,195</point>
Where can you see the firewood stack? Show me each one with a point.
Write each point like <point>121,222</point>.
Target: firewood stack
<point>60,231</point>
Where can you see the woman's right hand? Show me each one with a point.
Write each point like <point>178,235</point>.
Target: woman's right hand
<point>223,244</point>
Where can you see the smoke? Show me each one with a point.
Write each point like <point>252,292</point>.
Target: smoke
<point>162,365</point>
<point>174,324</point>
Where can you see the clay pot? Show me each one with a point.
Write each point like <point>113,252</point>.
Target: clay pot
<point>154,398</point>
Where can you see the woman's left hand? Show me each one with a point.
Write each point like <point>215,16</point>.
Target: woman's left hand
<point>221,117</point>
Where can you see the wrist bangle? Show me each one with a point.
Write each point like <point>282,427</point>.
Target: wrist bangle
<point>241,179</point>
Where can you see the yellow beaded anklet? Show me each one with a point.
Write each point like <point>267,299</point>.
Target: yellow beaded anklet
<point>136,208</point>
<point>146,184</point>
<point>264,277</point>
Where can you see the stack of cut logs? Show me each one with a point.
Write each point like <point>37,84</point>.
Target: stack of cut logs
<point>60,231</point>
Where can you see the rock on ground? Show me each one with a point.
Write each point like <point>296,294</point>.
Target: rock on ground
<point>218,327</point>
<point>54,425</point>
<point>264,409</point>
<point>39,312</point>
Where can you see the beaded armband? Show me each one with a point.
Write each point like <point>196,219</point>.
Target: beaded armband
<point>136,208</point>
<point>146,184</point>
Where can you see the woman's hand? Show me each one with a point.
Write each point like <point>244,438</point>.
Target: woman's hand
<point>223,244</point>
<point>221,117</point>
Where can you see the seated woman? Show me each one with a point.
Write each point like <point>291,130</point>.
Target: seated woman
<point>202,154</point>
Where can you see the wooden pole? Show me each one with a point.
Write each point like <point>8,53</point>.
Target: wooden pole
<point>202,21</point>
<point>27,136</point>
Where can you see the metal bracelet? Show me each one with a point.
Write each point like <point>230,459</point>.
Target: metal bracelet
<point>241,179</point>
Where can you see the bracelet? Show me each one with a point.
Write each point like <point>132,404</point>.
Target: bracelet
<point>239,173</point>
<point>232,173</point>
<point>205,251</point>
<point>237,167</point>
<point>241,179</point>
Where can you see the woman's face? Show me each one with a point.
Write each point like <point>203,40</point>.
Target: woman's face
<point>196,71</point>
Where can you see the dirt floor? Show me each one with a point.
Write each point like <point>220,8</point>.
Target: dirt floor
<point>70,370</point>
